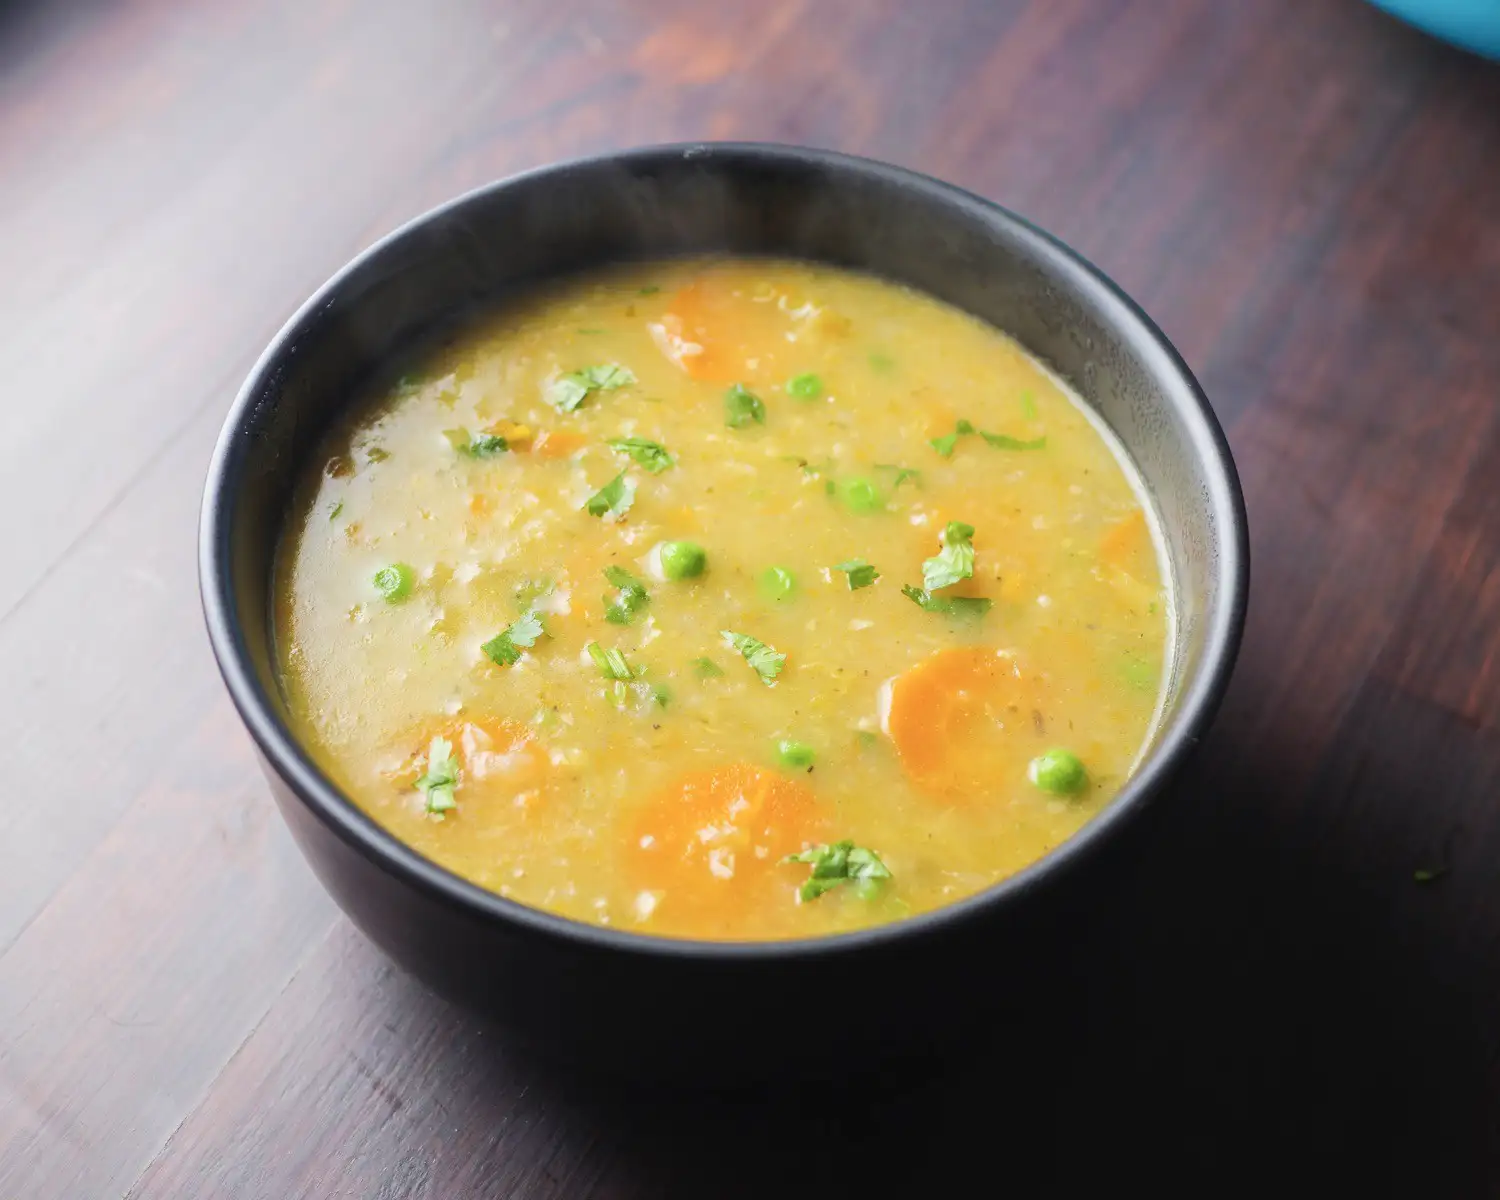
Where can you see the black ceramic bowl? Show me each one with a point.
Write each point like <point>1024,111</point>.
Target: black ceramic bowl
<point>720,1011</point>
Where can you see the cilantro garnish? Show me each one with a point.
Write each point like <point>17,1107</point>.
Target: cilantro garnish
<point>652,455</point>
<point>613,500</point>
<point>476,445</point>
<point>628,601</point>
<point>861,574</point>
<point>953,606</point>
<point>1000,441</point>
<point>504,649</point>
<point>742,406</point>
<point>569,391</point>
<point>840,863</point>
<point>763,660</point>
<point>954,562</point>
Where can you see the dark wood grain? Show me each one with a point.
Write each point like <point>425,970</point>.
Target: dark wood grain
<point>1305,194</point>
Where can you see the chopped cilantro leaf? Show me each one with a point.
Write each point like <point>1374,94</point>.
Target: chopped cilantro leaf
<point>613,500</point>
<point>954,562</point>
<point>837,864</point>
<point>763,660</point>
<point>1000,441</point>
<point>652,455</point>
<point>612,664</point>
<point>861,574</point>
<point>333,513</point>
<point>569,391</point>
<point>953,606</point>
<point>1028,406</point>
<point>902,474</point>
<point>440,779</point>
<point>624,606</point>
<point>649,290</point>
<point>504,649</point>
<point>708,669</point>
<point>742,406</point>
<point>1003,441</point>
<point>476,445</point>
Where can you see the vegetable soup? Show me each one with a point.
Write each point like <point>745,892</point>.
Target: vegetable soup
<point>733,599</point>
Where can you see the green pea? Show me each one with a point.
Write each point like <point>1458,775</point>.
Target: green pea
<point>1058,771</point>
<point>394,582</point>
<point>806,386</point>
<point>861,496</point>
<point>778,583</point>
<point>682,560</point>
<point>798,756</point>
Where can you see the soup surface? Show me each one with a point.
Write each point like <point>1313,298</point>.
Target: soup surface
<point>727,599</point>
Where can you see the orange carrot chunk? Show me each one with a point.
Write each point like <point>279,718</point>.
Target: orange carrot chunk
<point>705,850</point>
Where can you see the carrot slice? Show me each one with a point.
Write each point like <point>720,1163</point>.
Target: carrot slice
<point>716,332</point>
<point>705,851</point>
<point>557,443</point>
<point>1126,546</point>
<point>963,721</point>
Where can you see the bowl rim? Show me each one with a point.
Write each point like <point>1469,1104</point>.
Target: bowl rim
<point>341,816</point>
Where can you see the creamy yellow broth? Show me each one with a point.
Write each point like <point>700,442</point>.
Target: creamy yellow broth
<point>669,801</point>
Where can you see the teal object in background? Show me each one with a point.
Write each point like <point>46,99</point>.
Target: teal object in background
<point>1472,24</point>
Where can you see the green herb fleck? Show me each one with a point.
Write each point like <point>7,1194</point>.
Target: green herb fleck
<point>861,574</point>
<point>476,445</point>
<point>806,386</point>
<point>504,649</point>
<point>649,290</point>
<point>626,604</point>
<point>652,455</point>
<point>1028,406</point>
<point>612,664</point>
<point>763,660</point>
<point>1429,874</point>
<point>902,474</point>
<point>590,332</point>
<point>569,391</point>
<point>838,864</point>
<point>1003,441</point>
<point>953,606</point>
<point>333,513</point>
<point>395,581</point>
<point>954,562</point>
<point>613,500</point>
<point>708,669</point>
<point>881,364</point>
<point>376,454</point>
<point>741,407</point>
<point>440,780</point>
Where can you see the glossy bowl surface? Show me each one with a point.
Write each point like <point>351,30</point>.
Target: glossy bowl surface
<point>653,1005</point>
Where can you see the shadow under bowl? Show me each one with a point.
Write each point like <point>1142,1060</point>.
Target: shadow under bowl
<point>721,1012</point>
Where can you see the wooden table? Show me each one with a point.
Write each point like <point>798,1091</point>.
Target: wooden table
<point>1305,194</point>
